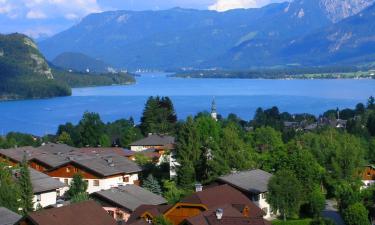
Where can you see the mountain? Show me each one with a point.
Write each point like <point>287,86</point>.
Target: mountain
<point>350,41</point>
<point>292,50</point>
<point>185,38</point>
<point>24,73</point>
<point>80,62</point>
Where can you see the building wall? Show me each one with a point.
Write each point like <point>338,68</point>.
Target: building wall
<point>173,164</point>
<point>118,213</point>
<point>263,204</point>
<point>45,199</point>
<point>95,185</point>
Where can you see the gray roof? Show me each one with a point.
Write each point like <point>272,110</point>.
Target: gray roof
<point>42,182</point>
<point>154,140</point>
<point>8,217</point>
<point>130,197</point>
<point>253,181</point>
<point>109,165</point>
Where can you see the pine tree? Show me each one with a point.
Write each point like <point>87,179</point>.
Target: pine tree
<point>77,186</point>
<point>151,184</point>
<point>9,190</point>
<point>26,189</point>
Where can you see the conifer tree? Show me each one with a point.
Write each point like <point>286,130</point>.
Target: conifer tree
<point>77,186</point>
<point>151,184</point>
<point>26,188</point>
<point>9,190</point>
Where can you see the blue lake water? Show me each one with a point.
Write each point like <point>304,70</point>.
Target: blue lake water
<point>189,96</point>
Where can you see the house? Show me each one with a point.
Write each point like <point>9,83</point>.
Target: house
<point>161,148</point>
<point>226,214</point>
<point>198,204</point>
<point>8,217</point>
<point>101,168</point>
<point>84,213</point>
<point>368,176</point>
<point>46,189</point>
<point>153,141</point>
<point>121,202</point>
<point>253,184</point>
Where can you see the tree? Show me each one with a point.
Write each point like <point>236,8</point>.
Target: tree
<point>172,193</point>
<point>9,190</point>
<point>26,188</point>
<point>356,214</point>
<point>284,193</point>
<point>151,184</point>
<point>158,116</point>
<point>104,141</point>
<point>371,124</point>
<point>77,186</point>
<point>161,220</point>
<point>371,103</point>
<point>267,139</point>
<point>91,129</point>
<point>80,197</point>
<point>316,202</point>
<point>65,138</point>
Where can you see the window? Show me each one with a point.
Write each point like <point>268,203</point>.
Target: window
<point>66,181</point>
<point>265,210</point>
<point>38,198</point>
<point>67,169</point>
<point>126,179</point>
<point>96,183</point>
<point>256,198</point>
<point>119,216</point>
<point>263,195</point>
<point>75,170</point>
<point>111,213</point>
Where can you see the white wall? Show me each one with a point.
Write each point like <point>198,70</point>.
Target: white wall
<point>46,199</point>
<point>173,164</point>
<point>367,183</point>
<point>108,183</point>
<point>263,204</point>
<point>138,148</point>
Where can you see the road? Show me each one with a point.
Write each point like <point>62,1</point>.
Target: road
<point>330,212</point>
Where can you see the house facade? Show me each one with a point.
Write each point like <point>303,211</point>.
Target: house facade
<point>121,202</point>
<point>199,204</point>
<point>252,183</point>
<point>368,176</point>
<point>101,168</point>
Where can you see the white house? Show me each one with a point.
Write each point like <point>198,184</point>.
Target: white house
<point>254,184</point>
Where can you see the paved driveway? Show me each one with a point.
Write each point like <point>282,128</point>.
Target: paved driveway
<point>330,212</point>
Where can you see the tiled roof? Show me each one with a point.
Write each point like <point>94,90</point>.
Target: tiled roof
<point>154,140</point>
<point>102,161</point>
<point>130,197</point>
<point>231,216</point>
<point>155,210</point>
<point>84,213</point>
<point>254,181</point>
<point>42,182</point>
<point>222,195</point>
<point>8,217</point>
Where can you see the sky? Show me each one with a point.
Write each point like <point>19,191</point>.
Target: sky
<point>42,18</point>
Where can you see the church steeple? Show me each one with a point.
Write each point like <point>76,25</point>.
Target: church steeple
<point>213,110</point>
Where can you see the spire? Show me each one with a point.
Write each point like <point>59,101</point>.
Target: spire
<point>213,110</point>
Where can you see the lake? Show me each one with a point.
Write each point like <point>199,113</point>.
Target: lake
<point>189,96</point>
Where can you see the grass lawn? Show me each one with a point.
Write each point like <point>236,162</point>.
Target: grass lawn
<point>292,222</point>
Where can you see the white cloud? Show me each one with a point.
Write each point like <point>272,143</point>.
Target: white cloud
<point>224,5</point>
<point>45,9</point>
<point>35,14</point>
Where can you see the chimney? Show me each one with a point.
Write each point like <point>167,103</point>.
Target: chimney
<point>219,213</point>
<point>198,187</point>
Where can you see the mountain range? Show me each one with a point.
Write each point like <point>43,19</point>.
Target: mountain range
<point>301,32</point>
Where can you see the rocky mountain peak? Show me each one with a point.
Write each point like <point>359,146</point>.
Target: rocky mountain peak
<point>340,9</point>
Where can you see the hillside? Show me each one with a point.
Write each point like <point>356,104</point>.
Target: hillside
<point>349,41</point>
<point>183,37</point>
<point>24,72</point>
<point>80,62</point>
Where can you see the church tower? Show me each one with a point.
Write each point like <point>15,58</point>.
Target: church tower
<point>213,110</point>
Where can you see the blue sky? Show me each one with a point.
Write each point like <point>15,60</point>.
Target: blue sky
<point>40,18</point>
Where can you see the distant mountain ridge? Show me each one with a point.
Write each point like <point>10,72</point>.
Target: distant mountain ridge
<point>200,38</point>
<point>80,62</point>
